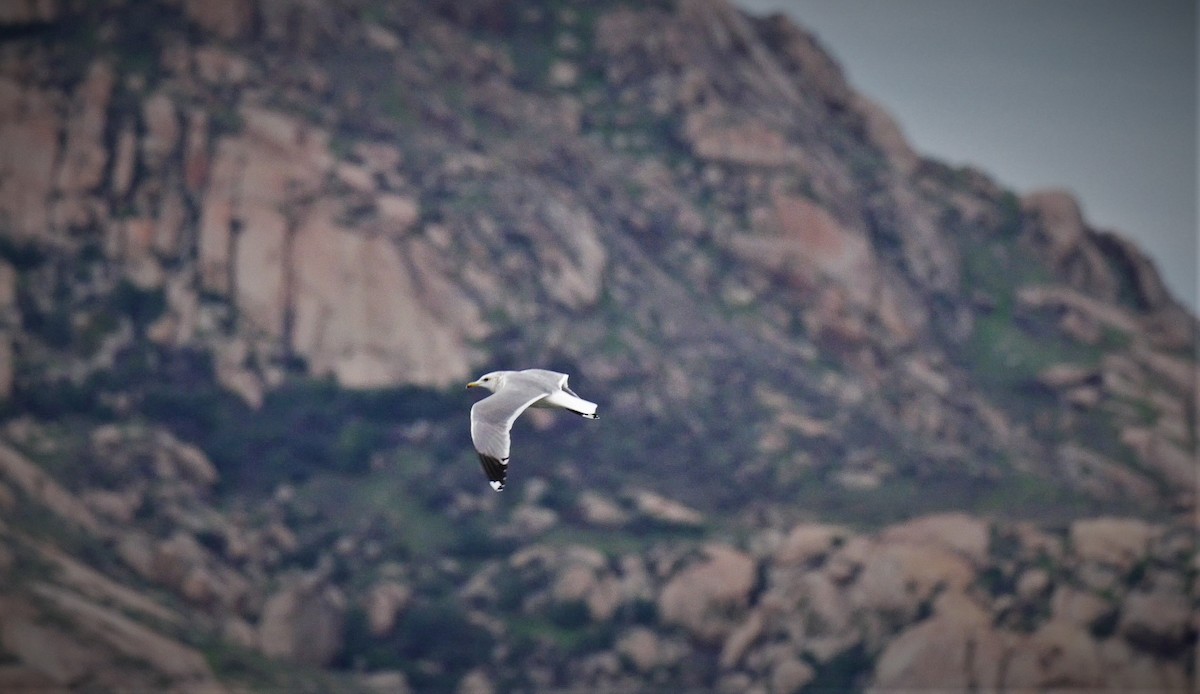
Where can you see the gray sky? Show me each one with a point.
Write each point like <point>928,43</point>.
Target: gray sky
<point>1095,96</point>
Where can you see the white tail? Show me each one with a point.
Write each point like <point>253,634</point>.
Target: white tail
<point>566,401</point>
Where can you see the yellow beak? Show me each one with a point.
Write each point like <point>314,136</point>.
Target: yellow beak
<point>473,384</point>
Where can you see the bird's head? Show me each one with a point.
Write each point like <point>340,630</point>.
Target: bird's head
<point>490,381</point>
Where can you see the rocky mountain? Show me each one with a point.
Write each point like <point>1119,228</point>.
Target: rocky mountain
<point>869,421</point>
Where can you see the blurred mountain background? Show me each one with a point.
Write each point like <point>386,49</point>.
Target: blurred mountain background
<point>869,421</point>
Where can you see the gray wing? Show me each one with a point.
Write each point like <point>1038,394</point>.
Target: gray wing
<point>491,420</point>
<point>548,380</point>
<point>551,380</point>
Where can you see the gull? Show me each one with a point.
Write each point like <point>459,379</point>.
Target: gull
<point>512,393</point>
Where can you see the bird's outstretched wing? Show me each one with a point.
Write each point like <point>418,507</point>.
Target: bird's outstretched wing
<point>492,419</point>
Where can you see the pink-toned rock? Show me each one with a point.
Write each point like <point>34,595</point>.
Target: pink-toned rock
<point>960,607</point>
<point>885,132</point>
<point>1128,669</point>
<point>1157,621</point>
<point>1091,308</point>
<point>808,541</point>
<point>575,583</point>
<point>240,633</point>
<point>605,599</point>
<point>641,647</point>
<point>162,130</point>
<point>600,511</point>
<point>118,506</point>
<point>476,682</point>
<point>48,649</point>
<point>665,510</point>
<point>1032,584</point>
<point>1060,221</point>
<point>811,243</point>
<point>705,597</point>
<point>199,586</point>
<point>714,137</point>
<point>234,375</point>
<point>1036,542</point>
<point>281,537</point>
<point>1067,375</point>
<point>192,463</point>
<point>217,210</point>
<point>1171,328</point>
<point>218,66</point>
<point>1057,655</point>
<point>124,160</point>
<point>808,427</point>
<point>1078,607</point>
<point>16,12</point>
<point>958,532</point>
<point>570,256</point>
<point>385,601</point>
<point>1152,292</point>
<point>1117,542</point>
<point>16,677</point>
<point>175,557</point>
<point>899,577</point>
<point>137,551</point>
<point>374,316</point>
<point>365,309</point>
<point>379,157</point>
<point>44,490</point>
<point>928,375</point>
<point>196,160</point>
<point>171,216</point>
<point>790,676</point>
<point>829,613</point>
<point>1084,397</point>
<point>358,178</point>
<point>845,563</point>
<point>1174,464</point>
<point>401,212</point>
<point>563,73</point>
<point>381,38</point>
<point>30,127</point>
<point>740,640</point>
<point>260,270</point>
<point>385,682</point>
<point>228,19</point>
<point>85,157</point>
<point>303,622</point>
<point>131,241</point>
<point>1104,478</point>
<point>943,653</point>
<point>130,638</point>
<point>79,577</point>
<point>292,140</point>
<point>254,176</point>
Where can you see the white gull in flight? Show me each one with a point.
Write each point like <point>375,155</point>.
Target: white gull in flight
<point>512,393</point>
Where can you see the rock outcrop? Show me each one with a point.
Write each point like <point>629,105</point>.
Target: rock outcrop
<point>249,248</point>
<point>701,597</point>
<point>303,622</point>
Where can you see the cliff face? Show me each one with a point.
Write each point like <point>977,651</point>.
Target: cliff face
<point>212,211</point>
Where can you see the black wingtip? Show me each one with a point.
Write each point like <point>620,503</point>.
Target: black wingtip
<point>495,469</point>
